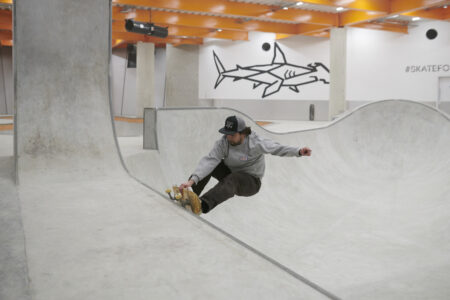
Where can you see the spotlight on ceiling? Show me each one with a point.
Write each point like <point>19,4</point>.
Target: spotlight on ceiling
<point>340,9</point>
<point>416,18</point>
<point>146,28</point>
<point>299,3</point>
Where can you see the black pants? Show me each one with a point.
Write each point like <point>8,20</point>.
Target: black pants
<point>229,184</point>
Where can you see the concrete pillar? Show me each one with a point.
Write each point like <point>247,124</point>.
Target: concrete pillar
<point>182,75</point>
<point>145,69</point>
<point>338,71</point>
<point>61,62</point>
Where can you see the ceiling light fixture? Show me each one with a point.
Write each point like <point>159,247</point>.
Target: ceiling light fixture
<point>285,8</point>
<point>299,3</point>
<point>393,17</point>
<point>445,6</point>
<point>146,28</point>
<point>219,30</point>
<point>340,9</point>
<point>416,18</point>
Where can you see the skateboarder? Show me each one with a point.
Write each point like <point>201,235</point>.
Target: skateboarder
<point>237,162</point>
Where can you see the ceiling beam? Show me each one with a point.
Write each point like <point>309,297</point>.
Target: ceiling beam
<point>354,17</point>
<point>234,35</point>
<point>439,13</point>
<point>6,43</point>
<point>5,26</point>
<point>280,36</point>
<point>303,16</point>
<point>322,34</point>
<point>383,26</point>
<point>237,9</point>
<point>447,14</point>
<point>5,35</point>
<point>405,6</point>
<point>364,5</point>
<point>311,28</point>
<point>129,37</point>
<point>6,15</point>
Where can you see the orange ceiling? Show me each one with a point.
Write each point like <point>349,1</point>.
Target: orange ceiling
<point>190,21</point>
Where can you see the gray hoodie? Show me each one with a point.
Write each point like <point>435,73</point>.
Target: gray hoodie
<point>247,157</point>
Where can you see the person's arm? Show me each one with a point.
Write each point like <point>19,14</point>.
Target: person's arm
<point>268,146</point>
<point>207,164</point>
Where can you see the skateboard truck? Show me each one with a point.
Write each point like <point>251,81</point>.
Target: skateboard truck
<point>169,192</point>
<point>176,196</point>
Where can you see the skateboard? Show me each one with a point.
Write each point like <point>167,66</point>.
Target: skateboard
<point>186,198</point>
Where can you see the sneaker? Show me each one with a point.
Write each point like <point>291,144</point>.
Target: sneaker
<point>194,202</point>
<point>205,206</point>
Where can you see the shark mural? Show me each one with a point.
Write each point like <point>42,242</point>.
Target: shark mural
<point>276,75</point>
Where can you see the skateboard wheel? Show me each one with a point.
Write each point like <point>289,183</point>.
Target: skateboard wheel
<point>168,191</point>
<point>178,196</point>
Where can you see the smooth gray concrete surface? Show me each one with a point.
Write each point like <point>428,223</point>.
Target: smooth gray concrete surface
<point>61,87</point>
<point>366,217</point>
<point>149,136</point>
<point>14,282</point>
<point>112,238</point>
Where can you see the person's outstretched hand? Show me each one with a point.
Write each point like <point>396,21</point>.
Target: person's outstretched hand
<point>305,151</point>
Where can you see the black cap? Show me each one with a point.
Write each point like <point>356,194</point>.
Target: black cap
<point>233,124</point>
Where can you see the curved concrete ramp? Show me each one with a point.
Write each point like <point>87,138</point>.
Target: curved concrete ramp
<point>366,217</point>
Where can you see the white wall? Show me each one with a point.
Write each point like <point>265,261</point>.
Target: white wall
<point>377,63</point>
<point>299,50</point>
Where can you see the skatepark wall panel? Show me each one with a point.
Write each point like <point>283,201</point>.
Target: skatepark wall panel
<point>60,90</point>
<point>150,136</point>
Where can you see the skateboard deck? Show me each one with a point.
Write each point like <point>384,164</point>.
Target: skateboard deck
<point>186,198</point>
